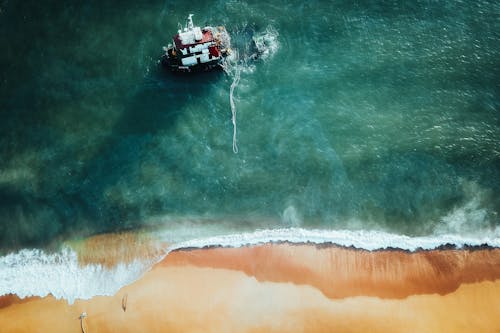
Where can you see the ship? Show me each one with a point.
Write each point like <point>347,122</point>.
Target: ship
<point>195,49</point>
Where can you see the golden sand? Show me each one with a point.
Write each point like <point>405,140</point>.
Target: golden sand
<point>185,296</point>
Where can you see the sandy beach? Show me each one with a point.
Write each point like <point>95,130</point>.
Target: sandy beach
<point>286,288</point>
<point>249,166</point>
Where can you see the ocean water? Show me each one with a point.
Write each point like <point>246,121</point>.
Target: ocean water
<point>365,116</point>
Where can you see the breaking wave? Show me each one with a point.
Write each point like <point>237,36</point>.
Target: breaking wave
<point>37,273</point>
<point>367,240</point>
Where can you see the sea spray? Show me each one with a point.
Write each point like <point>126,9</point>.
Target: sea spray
<point>473,216</point>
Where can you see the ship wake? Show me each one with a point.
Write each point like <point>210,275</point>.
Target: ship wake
<point>261,45</point>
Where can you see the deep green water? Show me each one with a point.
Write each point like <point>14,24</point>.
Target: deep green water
<point>369,115</point>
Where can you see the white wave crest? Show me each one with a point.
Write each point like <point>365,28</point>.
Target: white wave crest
<point>37,273</point>
<point>368,240</point>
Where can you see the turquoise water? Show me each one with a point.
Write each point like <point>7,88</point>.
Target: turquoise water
<point>368,115</point>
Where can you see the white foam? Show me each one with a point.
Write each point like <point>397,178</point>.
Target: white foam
<point>37,273</point>
<point>368,240</point>
<point>471,217</point>
<point>267,42</point>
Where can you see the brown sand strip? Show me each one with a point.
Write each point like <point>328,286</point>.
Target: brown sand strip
<point>9,299</point>
<point>194,299</point>
<point>344,272</point>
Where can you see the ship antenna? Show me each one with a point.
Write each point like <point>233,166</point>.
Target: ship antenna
<point>190,22</point>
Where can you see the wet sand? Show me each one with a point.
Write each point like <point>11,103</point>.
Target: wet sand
<point>110,249</point>
<point>287,288</point>
<point>341,272</point>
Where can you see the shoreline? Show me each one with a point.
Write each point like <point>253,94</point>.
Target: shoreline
<point>340,272</point>
<point>283,288</point>
<point>444,247</point>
